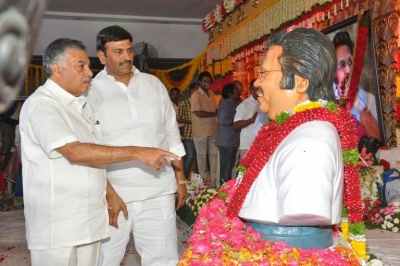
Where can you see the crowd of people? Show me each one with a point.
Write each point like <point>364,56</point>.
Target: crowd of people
<point>107,156</point>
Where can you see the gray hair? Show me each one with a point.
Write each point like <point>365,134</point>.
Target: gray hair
<point>307,53</point>
<point>55,52</point>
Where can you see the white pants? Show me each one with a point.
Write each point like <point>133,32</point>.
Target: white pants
<point>153,223</point>
<point>82,255</point>
<point>204,146</point>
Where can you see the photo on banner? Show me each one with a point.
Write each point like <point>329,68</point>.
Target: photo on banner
<point>344,37</point>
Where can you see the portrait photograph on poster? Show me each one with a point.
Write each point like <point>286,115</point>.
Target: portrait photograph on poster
<point>363,99</point>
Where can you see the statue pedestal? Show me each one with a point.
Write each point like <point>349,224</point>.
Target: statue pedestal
<point>304,237</point>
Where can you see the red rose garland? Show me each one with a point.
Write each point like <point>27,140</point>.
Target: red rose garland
<point>271,135</point>
<point>359,53</point>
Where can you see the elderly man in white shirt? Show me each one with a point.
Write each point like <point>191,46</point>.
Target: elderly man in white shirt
<point>246,114</point>
<point>63,173</point>
<point>134,108</point>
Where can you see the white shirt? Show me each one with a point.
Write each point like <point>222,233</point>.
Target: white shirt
<point>64,203</point>
<point>302,183</point>
<point>244,111</point>
<point>140,114</point>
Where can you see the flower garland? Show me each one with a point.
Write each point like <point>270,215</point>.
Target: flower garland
<point>359,53</point>
<point>220,11</point>
<point>164,75</point>
<point>221,238</point>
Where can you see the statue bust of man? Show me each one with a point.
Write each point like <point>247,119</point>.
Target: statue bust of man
<point>298,193</point>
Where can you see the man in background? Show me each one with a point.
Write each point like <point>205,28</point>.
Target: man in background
<point>228,138</point>
<point>184,116</point>
<point>134,108</point>
<point>175,96</point>
<point>204,126</point>
<point>246,114</point>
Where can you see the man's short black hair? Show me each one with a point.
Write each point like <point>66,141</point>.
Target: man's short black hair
<point>343,38</point>
<point>111,34</point>
<point>204,74</point>
<point>193,86</point>
<point>228,89</point>
<point>175,89</point>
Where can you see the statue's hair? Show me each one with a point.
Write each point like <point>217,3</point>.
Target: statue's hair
<point>310,54</point>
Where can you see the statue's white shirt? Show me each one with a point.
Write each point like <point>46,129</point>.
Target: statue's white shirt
<point>302,183</point>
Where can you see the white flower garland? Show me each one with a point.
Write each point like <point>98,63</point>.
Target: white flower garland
<point>270,18</point>
<point>229,5</point>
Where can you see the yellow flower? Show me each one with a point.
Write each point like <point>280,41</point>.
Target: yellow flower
<point>306,106</point>
<point>344,226</point>
<point>359,248</point>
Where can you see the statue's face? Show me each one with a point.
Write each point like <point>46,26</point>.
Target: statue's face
<point>274,100</point>
<point>345,61</point>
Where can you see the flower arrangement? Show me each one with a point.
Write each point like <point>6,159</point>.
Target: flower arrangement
<point>194,182</point>
<point>221,238</point>
<point>386,218</point>
<point>198,193</point>
<point>200,198</point>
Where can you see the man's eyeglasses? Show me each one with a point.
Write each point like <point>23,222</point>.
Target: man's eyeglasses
<point>342,64</point>
<point>260,73</point>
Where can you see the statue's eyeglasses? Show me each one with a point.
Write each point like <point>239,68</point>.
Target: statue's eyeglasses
<point>260,73</point>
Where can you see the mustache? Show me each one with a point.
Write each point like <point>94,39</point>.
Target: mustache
<point>126,61</point>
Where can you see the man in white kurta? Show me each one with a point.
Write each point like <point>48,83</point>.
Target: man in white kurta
<point>64,178</point>
<point>142,115</point>
<point>70,209</point>
<point>138,111</point>
<point>246,113</point>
